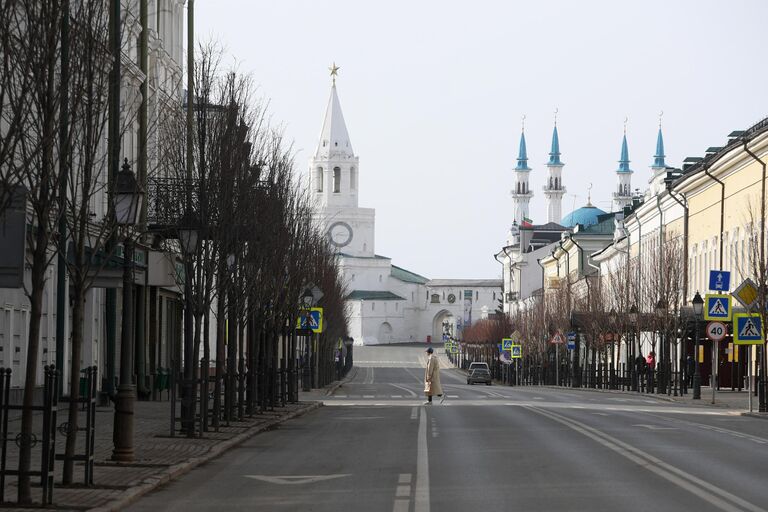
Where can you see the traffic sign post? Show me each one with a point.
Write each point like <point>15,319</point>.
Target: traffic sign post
<point>517,351</point>
<point>746,293</point>
<point>748,329</point>
<point>311,319</point>
<point>571,341</point>
<point>557,339</point>
<point>717,307</point>
<point>716,331</point>
<point>719,280</point>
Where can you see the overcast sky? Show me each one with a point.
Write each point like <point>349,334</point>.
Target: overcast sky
<point>433,92</point>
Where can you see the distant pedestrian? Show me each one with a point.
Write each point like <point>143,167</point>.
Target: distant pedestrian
<point>639,369</point>
<point>651,368</point>
<point>432,378</point>
<point>690,369</point>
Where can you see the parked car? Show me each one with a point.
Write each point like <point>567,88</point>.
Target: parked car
<point>479,372</point>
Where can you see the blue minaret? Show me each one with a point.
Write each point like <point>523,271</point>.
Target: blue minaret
<point>521,194</point>
<point>522,156</point>
<point>658,158</point>
<point>553,188</point>
<point>554,154</point>
<point>623,195</point>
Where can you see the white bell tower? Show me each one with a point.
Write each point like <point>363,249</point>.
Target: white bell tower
<point>334,183</point>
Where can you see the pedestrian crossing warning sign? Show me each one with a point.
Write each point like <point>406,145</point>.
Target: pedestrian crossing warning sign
<point>311,319</point>
<point>718,307</point>
<point>517,351</point>
<point>748,329</point>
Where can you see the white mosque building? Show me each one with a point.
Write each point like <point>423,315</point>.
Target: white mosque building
<point>526,242</point>
<point>386,303</point>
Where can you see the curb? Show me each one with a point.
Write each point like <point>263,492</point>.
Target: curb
<point>337,383</point>
<point>616,392</point>
<point>173,472</point>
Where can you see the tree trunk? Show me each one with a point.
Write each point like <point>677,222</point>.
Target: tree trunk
<point>74,381</point>
<point>38,271</point>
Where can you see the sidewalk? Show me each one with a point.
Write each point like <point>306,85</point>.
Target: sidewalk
<point>159,457</point>
<point>724,398</point>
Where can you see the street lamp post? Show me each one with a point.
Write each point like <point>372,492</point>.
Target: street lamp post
<point>664,364</point>
<point>631,353</point>
<point>188,233</point>
<point>698,310</point>
<point>128,202</point>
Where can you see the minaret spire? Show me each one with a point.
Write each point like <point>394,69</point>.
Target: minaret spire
<point>658,158</point>
<point>554,189</point>
<point>623,195</point>
<point>521,194</point>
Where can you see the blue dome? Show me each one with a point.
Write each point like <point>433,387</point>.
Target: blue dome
<point>586,216</point>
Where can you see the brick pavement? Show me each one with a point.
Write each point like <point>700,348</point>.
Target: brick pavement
<point>159,457</point>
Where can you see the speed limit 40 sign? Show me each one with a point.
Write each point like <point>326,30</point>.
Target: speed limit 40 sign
<point>716,331</point>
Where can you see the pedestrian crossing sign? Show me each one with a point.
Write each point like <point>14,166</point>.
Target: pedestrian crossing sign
<point>506,344</point>
<point>311,319</point>
<point>517,351</point>
<point>718,307</point>
<point>748,329</point>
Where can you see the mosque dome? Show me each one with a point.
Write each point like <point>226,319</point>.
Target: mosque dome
<point>586,216</point>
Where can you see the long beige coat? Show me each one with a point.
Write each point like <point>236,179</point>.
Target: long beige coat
<point>432,373</point>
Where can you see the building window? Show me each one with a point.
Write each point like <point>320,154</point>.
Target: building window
<point>379,277</point>
<point>319,179</point>
<point>395,306</point>
<point>435,299</point>
<point>337,179</point>
<point>373,306</point>
<point>413,297</point>
<point>353,277</point>
<point>352,178</point>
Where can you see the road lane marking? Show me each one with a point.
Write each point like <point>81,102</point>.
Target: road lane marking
<point>403,491</point>
<point>294,479</point>
<point>402,388</point>
<point>369,396</point>
<point>707,491</point>
<point>655,427</point>
<point>395,396</point>
<point>404,478</point>
<point>368,375</point>
<point>421,503</point>
<point>414,413</point>
<point>719,430</point>
<point>401,505</point>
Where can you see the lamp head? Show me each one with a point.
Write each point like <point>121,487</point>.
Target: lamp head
<point>698,305</point>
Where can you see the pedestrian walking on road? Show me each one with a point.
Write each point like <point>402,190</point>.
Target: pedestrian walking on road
<point>432,385</point>
<point>651,361</point>
<point>640,371</point>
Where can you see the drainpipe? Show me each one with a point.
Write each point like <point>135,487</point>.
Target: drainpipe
<point>722,213</point>
<point>762,391</point>
<point>685,236</point>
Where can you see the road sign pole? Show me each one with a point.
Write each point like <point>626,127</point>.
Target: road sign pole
<point>697,372</point>
<point>557,365</point>
<point>715,352</point>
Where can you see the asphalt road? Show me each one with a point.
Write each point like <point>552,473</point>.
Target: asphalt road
<point>375,447</point>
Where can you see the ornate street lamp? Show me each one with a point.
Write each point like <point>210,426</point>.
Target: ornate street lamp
<point>188,231</point>
<point>698,311</point>
<point>128,201</point>
<point>307,301</point>
<point>632,369</point>
<point>665,364</point>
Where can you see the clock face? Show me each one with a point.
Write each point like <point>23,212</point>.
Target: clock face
<point>340,234</point>
<point>451,298</point>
